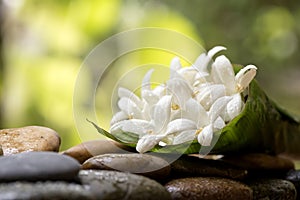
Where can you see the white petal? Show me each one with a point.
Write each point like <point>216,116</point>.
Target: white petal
<point>184,136</point>
<point>234,106</point>
<point>159,90</point>
<point>219,123</point>
<point>200,77</point>
<point>208,95</point>
<point>175,64</point>
<point>139,127</point>
<point>206,135</point>
<point>179,125</point>
<point>146,85</point>
<point>188,73</point>
<point>195,112</point>
<point>180,90</point>
<point>123,92</point>
<point>215,50</point>
<point>147,142</point>
<point>222,72</point>
<point>218,107</point>
<point>202,62</point>
<point>119,116</point>
<point>161,113</point>
<point>129,107</point>
<point>150,97</point>
<point>245,76</point>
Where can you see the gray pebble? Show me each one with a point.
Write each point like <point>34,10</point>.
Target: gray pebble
<point>106,184</point>
<point>43,191</point>
<point>35,166</point>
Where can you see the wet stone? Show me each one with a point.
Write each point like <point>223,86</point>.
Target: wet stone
<point>143,164</point>
<point>261,164</point>
<point>187,166</point>
<point>294,177</point>
<point>208,188</point>
<point>86,150</point>
<point>273,189</point>
<point>106,184</point>
<point>35,166</point>
<point>30,138</point>
<point>44,190</point>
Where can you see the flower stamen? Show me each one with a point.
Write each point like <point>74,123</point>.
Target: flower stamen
<point>175,107</point>
<point>198,131</point>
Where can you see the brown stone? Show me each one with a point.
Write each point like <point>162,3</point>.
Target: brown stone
<point>1,151</point>
<point>258,161</point>
<point>187,166</point>
<point>86,150</point>
<point>208,188</point>
<point>273,189</point>
<point>143,164</point>
<point>29,138</point>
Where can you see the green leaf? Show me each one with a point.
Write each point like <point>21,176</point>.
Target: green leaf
<point>126,138</point>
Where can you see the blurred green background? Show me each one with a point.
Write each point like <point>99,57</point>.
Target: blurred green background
<point>43,44</point>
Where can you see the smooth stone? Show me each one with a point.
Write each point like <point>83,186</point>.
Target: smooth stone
<point>119,185</point>
<point>143,164</point>
<point>273,189</point>
<point>208,188</point>
<point>29,138</point>
<point>1,150</point>
<point>44,190</point>
<point>86,150</point>
<point>187,166</point>
<point>35,166</point>
<point>294,177</point>
<point>259,162</point>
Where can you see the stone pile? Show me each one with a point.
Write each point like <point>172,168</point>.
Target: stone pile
<point>32,168</point>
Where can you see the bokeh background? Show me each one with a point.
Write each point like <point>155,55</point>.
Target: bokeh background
<point>43,44</point>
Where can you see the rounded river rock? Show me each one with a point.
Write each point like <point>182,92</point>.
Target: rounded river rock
<point>44,190</point>
<point>34,166</point>
<point>147,165</point>
<point>29,138</point>
<point>208,188</point>
<point>258,161</point>
<point>112,185</point>
<point>86,150</point>
<point>273,189</point>
<point>294,177</point>
<point>187,166</point>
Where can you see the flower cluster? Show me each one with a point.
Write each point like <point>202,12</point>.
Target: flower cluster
<point>194,103</point>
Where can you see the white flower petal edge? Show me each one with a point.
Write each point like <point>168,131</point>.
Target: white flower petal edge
<point>137,126</point>
<point>195,102</point>
<point>162,113</point>
<point>206,135</point>
<point>147,142</point>
<point>245,76</point>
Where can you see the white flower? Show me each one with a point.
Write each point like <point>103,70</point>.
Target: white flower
<point>196,102</point>
<point>196,121</point>
<point>147,130</point>
<point>198,71</point>
<point>222,73</point>
<point>131,106</point>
